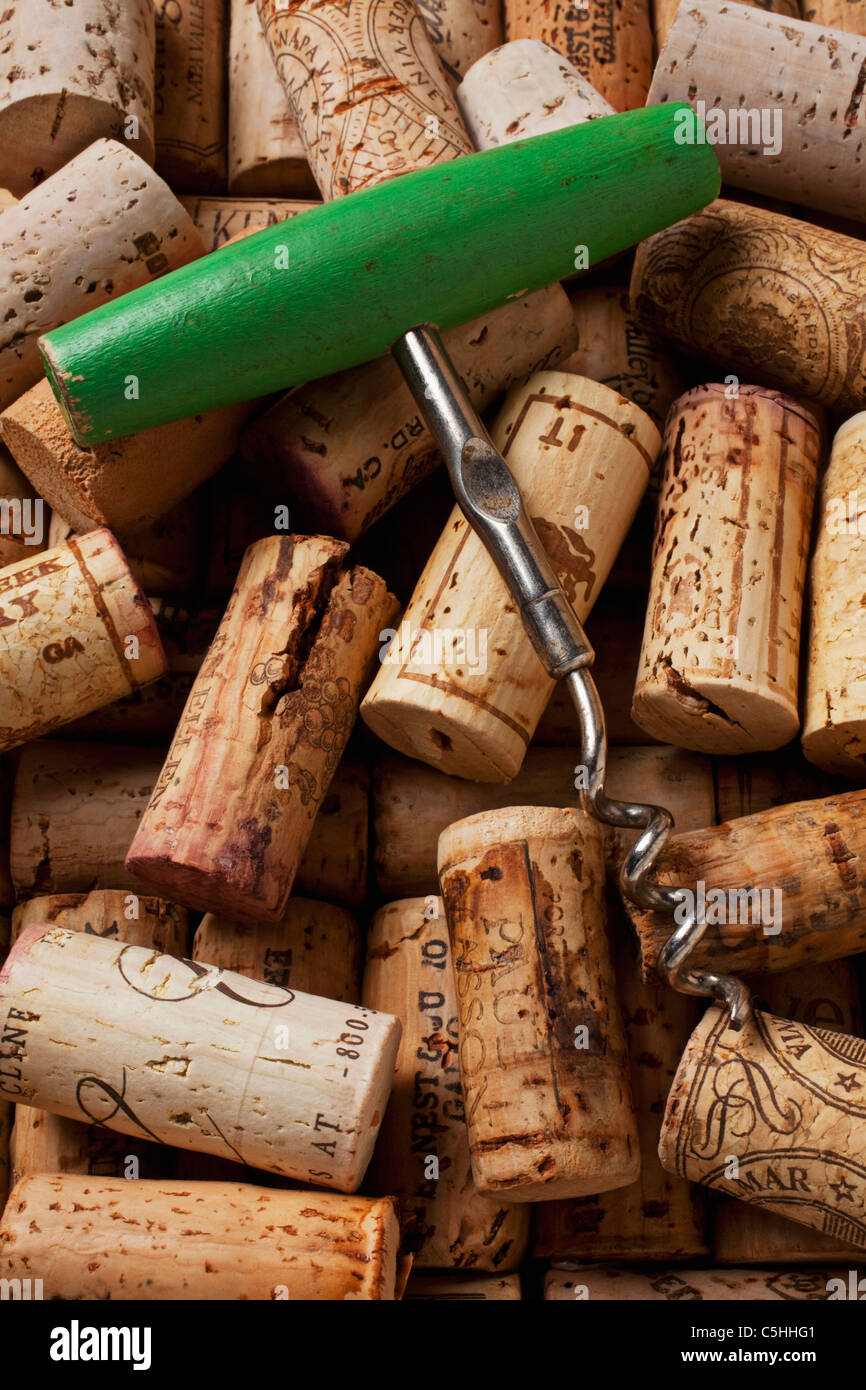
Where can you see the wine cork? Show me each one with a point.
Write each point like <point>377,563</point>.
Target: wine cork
<point>738,285</point>
<point>848,15</point>
<point>799,1130</point>
<point>162,555</point>
<point>349,446</point>
<point>7,1115</point>
<point>522,89</point>
<point>770,90</point>
<point>659,1217</point>
<point>261,734</point>
<point>101,226</point>
<point>196,1057</point>
<point>422,1154</point>
<point>75,808</point>
<point>745,786</point>
<point>115,483</point>
<point>720,658</point>
<point>24,517</point>
<point>413,804</point>
<point>463,1288</point>
<point>834,722</point>
<point>460,686</point>
<point>664,11</point>
<point>315,949</point>
<point>44,1143</point>
<point>87,78</point>
<point>152,714</point>
<point>688,1285</point>
<point>462,31</point>
<point>368,92</point>
<point>7,890</point>
<point>190,93</point>
<point>219,220</point>
<point>266,155</point>
<point>79,634</point>
<point>611,45</point>
<point>615,631</point>
<point>777,889</point>
<point>100,1239</point>
<point>613,349</point>
<point>543,1059</point>
<point>334,863</point>
<point>233,515</point>
<point>115,915</point>
<point>823,996</point>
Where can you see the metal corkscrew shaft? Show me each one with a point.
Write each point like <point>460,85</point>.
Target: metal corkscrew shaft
<point>490,500</point>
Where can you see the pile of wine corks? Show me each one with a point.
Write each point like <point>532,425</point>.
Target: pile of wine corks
<point>317,982</point>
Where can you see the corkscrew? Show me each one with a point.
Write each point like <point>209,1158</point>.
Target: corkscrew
<point>490,499</point>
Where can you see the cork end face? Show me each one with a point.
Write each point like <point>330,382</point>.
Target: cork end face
<point>474,835</point>
<point>838,748</point>
<point>709,716</point>
<point>596,1177</point>
<point>37,435</point>
<point>35,144</point>
<point>480,749</point>
<point>199,888</point>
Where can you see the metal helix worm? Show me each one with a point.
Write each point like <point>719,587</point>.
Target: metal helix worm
<point>490,500</point>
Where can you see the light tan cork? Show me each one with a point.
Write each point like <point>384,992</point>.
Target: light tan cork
<point>664,11</point>
<point>422,1153</point>
<point>266,156</point>
<point>613,349</point>
<point>773,1115</point>
<point>822,995</point>
<point>115,483</point>
<point>522,89</point>
<point>315,949</point>
<point>659,1217</point>
<point>834,721</point>
<point>44,1143</point>
<point>719,664</point>
<point>461,687</point>
<point>76,632</point>
<point>461,31</point>
<point>780,100</point>
<point>86,78</point>
<point>103,1239</point>
<point>194,1056</point>
<point>367,89</point>
<point>413,804</point>
<point>101,226</point>
<point>219,220</point>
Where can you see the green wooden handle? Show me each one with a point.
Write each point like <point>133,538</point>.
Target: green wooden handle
<point>337,285</point>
